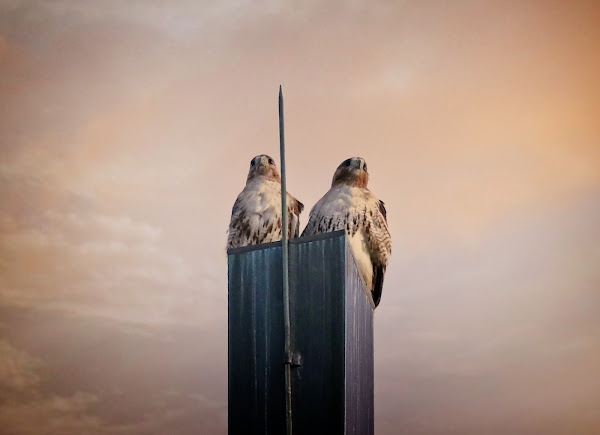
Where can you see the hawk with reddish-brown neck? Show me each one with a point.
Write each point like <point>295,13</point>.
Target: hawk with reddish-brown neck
<point>256,214</point>
<point>349,205</point>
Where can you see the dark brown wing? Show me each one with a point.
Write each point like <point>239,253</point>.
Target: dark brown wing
<point>239,229</point>
<point>294,210</point>
<point>378,274</point>
<point>382,210</point>
<point>380,247</point>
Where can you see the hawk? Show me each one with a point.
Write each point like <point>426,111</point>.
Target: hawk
<point>349,205</point>
<point>256,214</point>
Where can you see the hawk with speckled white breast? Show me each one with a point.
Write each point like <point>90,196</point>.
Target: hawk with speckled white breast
<point>349,205</point>
<point>256,214</point>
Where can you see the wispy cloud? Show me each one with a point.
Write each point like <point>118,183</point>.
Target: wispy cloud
<point>98,406</point>
<point>25,409</point>
<point>94,264</point>
<point>18,370</point>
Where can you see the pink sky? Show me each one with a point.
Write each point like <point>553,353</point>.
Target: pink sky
<point>126,134</point>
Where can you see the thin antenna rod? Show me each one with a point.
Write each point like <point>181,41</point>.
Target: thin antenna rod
<point>286,282</point>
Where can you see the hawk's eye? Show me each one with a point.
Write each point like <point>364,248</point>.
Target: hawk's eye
<point>271,161</point>
<point>347,162</point>
<point>251,162</point>
<point>365,167</point>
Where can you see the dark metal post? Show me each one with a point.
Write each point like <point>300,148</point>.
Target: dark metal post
<point>331,316</point>
<point>286,282</point>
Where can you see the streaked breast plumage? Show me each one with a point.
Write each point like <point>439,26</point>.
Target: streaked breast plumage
<point>256,213</point>
<point>349,205</point>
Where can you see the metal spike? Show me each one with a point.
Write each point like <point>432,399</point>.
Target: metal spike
<point>286,283</point>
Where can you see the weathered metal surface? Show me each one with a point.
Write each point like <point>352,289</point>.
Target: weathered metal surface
<point>359,377</point>
<point>331,339</point>
<point>256,342</point>
<point>317,309</point>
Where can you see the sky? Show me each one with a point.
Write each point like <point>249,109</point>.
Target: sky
<point>126,132</point>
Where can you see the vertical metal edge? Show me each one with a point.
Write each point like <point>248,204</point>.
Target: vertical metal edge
<point>345,290</point>
<point>229,266</point>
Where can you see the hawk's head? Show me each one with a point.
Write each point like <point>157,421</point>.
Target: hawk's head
<point>352,172</point>
<point>263,166</point>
